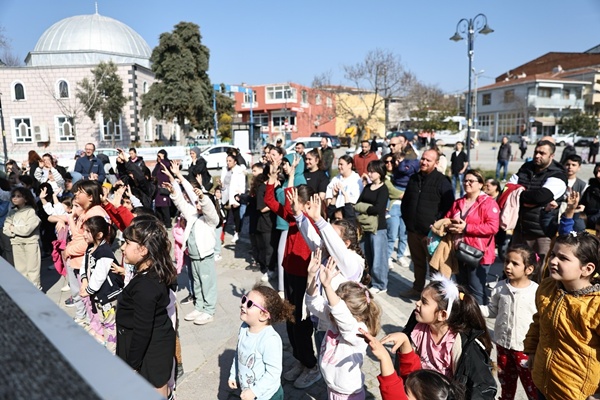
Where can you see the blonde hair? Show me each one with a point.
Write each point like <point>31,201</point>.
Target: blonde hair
<point>360,302</point>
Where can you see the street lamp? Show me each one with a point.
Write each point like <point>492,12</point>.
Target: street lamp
<point>3,134</point>
<point>468,27</point>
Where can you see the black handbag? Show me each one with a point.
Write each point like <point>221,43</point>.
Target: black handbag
<point>468,255</point>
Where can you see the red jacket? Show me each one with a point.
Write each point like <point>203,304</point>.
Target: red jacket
<point>483,221</point>
<point>296,256</point>
<point>361,161</point>
<point>392,386</point>
<point>120,216</point>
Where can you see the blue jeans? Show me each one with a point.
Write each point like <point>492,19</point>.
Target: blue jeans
<point>375,249</point>
<point>460,178</point>
<point>396,229</point>
<point>474,281</point>
<point>500,165</point>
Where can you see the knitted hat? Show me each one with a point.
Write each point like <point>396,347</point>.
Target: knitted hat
<point>195,150</point>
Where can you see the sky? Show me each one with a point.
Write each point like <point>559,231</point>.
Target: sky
<point>278,41</point>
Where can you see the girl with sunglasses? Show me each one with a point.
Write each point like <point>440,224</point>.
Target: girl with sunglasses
<point>257,365</point>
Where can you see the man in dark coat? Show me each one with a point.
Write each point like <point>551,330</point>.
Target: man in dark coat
<point>428,197</point>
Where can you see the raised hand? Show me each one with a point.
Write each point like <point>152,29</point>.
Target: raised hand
<point>397,338</point>
<point>296,161</point>
<point>175,168</point>
<point>315,262</point>
<point>292,196</point>
<point>168,186</point>
<point>313,208</point>
<point>329,272</point>
<point>166,171</point>
<point>43,193</point>
<point>199,193</point>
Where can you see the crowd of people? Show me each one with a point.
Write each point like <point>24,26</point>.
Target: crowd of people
<point>326,244</point>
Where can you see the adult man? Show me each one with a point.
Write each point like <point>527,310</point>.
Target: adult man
<point>134,158</point>
<point>401,143</point>
<point>299,147</point>
<point>458,166</point>
<point>504,155</point>
<point>428,197</point>
<point>568,151</point>
<point>326,156</point>
<point>362,159</point>
<point>545,182</point>
<point>89,166</point>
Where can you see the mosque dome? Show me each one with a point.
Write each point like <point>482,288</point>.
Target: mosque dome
<point>88,40</point>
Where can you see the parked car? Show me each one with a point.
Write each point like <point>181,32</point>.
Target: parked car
<point>563,140</point>
<point>583,141</point>
<point>111,153</point>
<point>448,138</point>
<point>408,134</point>
<point>216,157</point>
<point>336,143</point>
<point>310,142</point>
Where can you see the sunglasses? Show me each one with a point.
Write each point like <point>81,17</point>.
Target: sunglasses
<point>249,304</point>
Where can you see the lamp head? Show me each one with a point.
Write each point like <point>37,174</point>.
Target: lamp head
<point>456,37</point>
<point>486,29</point>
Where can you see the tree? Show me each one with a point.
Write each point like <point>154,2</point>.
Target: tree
<point>7,58</point>
<point>429,108</point>
<point>225,112</point>
<point>582,124</point>
<point>374,80</point>
<point>103,93</point>
<point>183,91</point>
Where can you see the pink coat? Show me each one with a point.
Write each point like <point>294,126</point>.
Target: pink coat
<point>178,231</point>
<point>483,221</point>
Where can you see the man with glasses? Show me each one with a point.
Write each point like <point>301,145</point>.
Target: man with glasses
<point>89,166</point>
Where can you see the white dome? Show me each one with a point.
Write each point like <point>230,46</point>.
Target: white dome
<point>87,40</point>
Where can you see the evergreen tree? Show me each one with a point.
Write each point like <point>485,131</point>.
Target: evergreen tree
<point>183,90</point>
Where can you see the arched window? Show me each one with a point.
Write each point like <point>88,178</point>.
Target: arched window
<point>63,90</point>
<point>145,87</point>
<point>19,91</point>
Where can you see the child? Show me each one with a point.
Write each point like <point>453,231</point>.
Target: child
<point>199,238</point>
<point>22,226</point>
<point>350,307</point>
<point>513,304</point>
<point>421,384</point>
<point>98,281</point>
<point>450,337</point>
<point>572,166</point>
<point>257,364</point>
<point>145,334</point>
<point>564,336</point>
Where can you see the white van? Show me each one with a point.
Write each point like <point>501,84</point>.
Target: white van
<point>447,138</point>
<point>310,143</point>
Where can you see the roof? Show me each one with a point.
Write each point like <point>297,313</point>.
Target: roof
<point>560,77</point>
<point>553,61</point>
<point>87,40</point>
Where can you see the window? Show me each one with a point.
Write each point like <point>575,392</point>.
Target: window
<point>509,96</point>
<point>22,130</point>
<point>158,132</point>
<point>545,92</point>
<point>145,87</point>
<point>510,123</point>
<point>280,121</point>
<point>280,94</point>
<point>250,97</point>
<point>63,90</point>
<point>110,129</point>
<point>329,102</point>
<point>304,97</point>
<point>566,94</point>
<point>148,130</point>
<point>64,129</point>
<point>261,119</point>
<point>18,91</point>
<point>318,99</point>
<point>486,99</point>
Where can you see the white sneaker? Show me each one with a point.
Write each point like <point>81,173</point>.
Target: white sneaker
<point>235,238</point>
<point>390,263</point>
<point>193,315</point>
<point>65,288</point>
<point>308,377</point>
<point>218,257</point>
<point>404,262</point>
<point>293,374</point>
<point>265,277</point>
<point>377,291</point>
<point>203,319</point>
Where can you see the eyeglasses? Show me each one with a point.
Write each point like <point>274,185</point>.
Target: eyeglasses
<point>470,181</point>
<point>392,144</point>
<point>249,304</point>
<point>388,162</point>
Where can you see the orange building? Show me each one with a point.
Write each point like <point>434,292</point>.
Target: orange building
<point>287,110</point>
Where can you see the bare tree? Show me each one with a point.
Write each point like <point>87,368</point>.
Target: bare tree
<point>10,59</point>
<point>374,81</point>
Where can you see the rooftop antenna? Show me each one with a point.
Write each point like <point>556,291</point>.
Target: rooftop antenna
<point>96,3</point>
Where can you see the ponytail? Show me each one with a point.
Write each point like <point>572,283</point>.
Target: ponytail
<point>466,316</point>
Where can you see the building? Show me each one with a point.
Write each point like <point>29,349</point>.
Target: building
<point>287,110</point>
<point>41,111</point>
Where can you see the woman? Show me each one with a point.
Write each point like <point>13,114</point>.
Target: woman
<point>396,229</point>
<point>492,188</point>
<point>315,177</point>
<point>373,202</point>
<point>591,199</point>
<point>347,181</point>
<point>162,201</point>
<point>234,184</point>
<point>198,167</point>
<point>475,221</point>
<point>32,163</point>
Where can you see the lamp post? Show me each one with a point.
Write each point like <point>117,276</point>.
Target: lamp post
<point>468,27</point>
<point>3,134</point>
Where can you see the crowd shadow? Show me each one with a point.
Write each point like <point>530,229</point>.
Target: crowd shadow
<point>48,274</point>
<point>225,360</point>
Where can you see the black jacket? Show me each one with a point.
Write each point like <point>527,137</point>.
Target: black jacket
<point>427,198</point>
<point>591,201</point>
<point>535,194</point>
<point>474,367</point>
<point>504,152</point>
<point>199,168</point>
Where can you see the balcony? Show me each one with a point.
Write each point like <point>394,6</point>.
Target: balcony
<point>554,103</point>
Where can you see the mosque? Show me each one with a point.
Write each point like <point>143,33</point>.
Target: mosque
<point>39,103</point>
